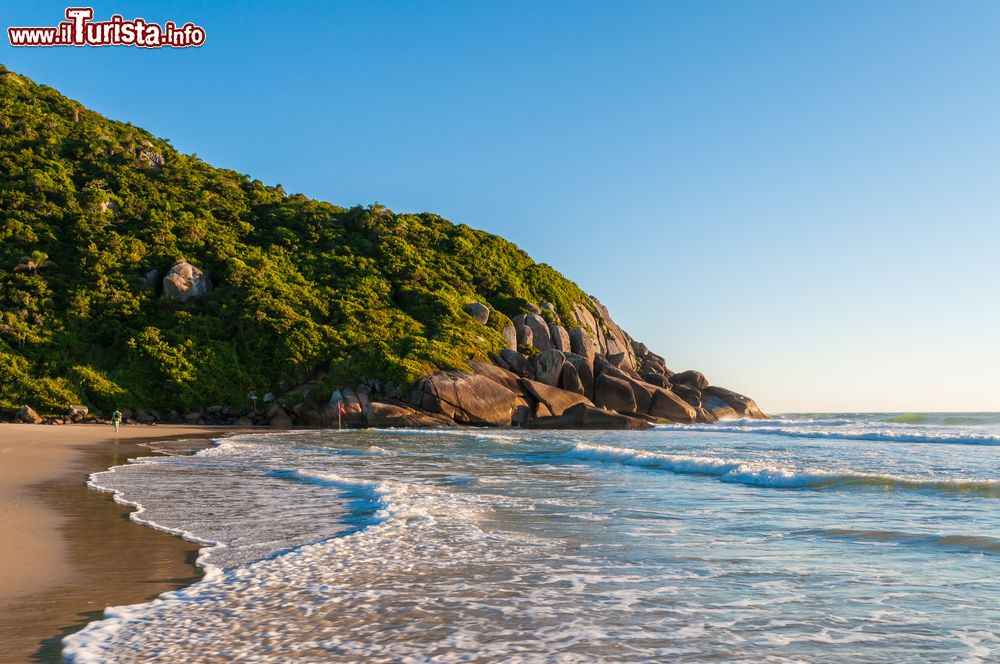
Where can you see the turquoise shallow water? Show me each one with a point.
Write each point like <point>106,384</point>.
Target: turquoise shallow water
<point>803,538</point>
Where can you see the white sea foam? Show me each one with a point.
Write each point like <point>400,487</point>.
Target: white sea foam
<point>398,546</point>
<point>94,482</point>
<point>850,430</point>
<point>756,473</point>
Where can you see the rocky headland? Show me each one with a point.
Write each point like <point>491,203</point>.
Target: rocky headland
<point>137,278</point>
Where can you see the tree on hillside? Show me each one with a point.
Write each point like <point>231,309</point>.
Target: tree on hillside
<point>36,261</point>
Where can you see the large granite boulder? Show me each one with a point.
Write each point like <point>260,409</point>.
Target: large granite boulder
<point>669,406</point>
<point>540,337</point>
<point>690,394</point>
<point>614,393</point>
<point>695,379</point>
<point>569,379</point>
<point>151,160</point>
<point>718,408</point>
<point>516,363</point>
<point>650,361</point>
<point>582,416</point>
<point>555,400</point>
<point>614,340</point>
<point>523,334</point>
<point>479,311</point>
<point>660,380</point>
<point>548,366</point>
<point>643,393</point>
<point>510,336</point>
<point>465,398</point>
<point>28,415</point>
<point>309,414</point>
<point>185,282</point>
<point>77,413</point>
<point>278,418</point>
<point>582,343</point>
<point>585,372</point>
<point>585,319</point>
<point>385,415</point>
<point>560,338</point>
<point>744,406</point>
<point>353,414</point>
<point>497,374</point>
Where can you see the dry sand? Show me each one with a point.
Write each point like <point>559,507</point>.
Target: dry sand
<point>66,551</point>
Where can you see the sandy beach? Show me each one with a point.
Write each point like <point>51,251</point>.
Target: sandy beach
<point>69,551</point>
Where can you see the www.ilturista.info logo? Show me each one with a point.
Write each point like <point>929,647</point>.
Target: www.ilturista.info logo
<point>80,30</point>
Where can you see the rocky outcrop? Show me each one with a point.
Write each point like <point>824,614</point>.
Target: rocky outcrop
<point>478,311</point>
<point>185,282</point>
<point>560,338</point>
<point>590,376</point>
<point>281,420</point>
<point>353,404</point>
<point>556,401</point>
<point>548,366</point>
<point>465,398</point>
<point>76,412</point>
<point>669,406</point>
<point>719,409</point>
<point>539,330</point>
<point>584,371</point>
<point>504,377</point>
<point>742,405</point>
<point>694,379</point>
<point>569,379</point>
<point>582,416</point>
<point>582,343</point>
<point>691,395</point>
<point>515,362</point>
<point>614,393</point>
<point>510,336</point>
<point>28,415</point>
<point>386,415</point>
<point>523,334</point>
<point>614,341</point>
<point>149,159</point>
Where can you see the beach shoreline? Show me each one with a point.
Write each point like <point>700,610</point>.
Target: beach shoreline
<point>70,551</point>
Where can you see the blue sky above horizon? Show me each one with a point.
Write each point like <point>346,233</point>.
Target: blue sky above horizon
<point>798,199</point>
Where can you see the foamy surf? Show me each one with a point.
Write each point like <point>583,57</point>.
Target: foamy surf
<point>753,473</point>
<point>521,546</point>
<point>887,432</point>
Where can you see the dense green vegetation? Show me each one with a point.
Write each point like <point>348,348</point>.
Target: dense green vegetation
<point>301,286</point>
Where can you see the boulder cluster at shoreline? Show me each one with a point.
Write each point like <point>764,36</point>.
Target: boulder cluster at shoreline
<point>590,375</point>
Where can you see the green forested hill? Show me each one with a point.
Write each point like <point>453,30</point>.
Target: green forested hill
<point>89,206</point>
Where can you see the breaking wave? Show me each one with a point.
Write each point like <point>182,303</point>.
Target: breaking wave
<point>892,432</point>
<point>754,473</point>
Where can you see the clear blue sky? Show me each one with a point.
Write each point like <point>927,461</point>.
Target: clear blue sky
<point>800,199</point>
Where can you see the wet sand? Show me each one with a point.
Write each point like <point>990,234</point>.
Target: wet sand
<point>69,551</point>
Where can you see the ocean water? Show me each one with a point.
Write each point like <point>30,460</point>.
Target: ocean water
<point>808,538</point>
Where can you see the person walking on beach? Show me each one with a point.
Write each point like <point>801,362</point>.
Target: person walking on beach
<point>116,418</point>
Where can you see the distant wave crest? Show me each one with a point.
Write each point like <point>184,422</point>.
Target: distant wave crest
<point>754,473</point>
<point>851,430</point>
